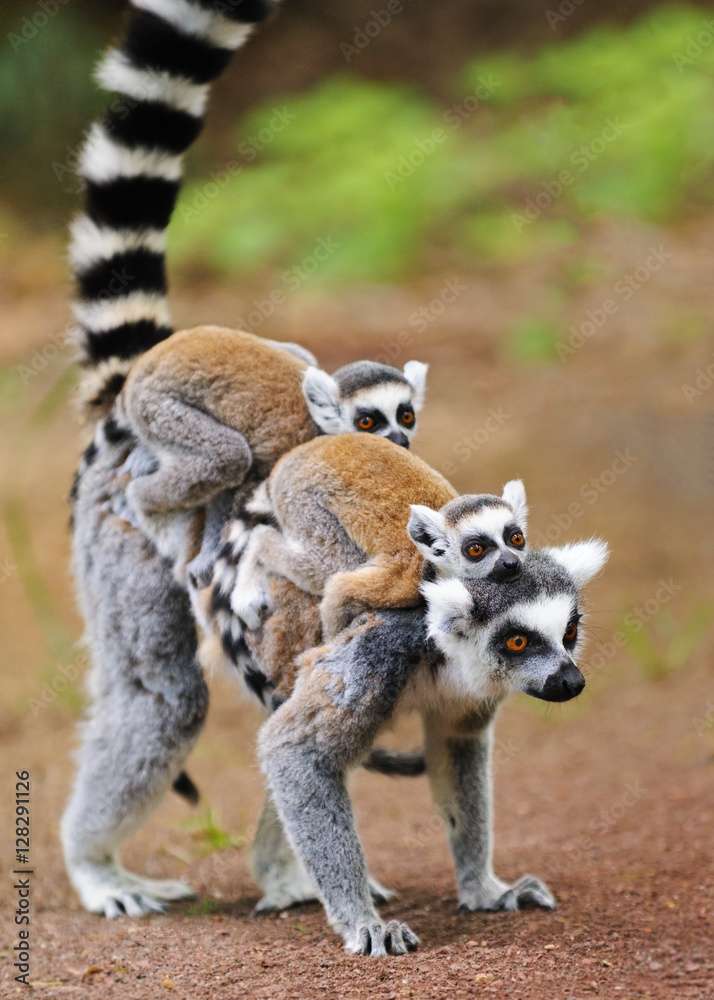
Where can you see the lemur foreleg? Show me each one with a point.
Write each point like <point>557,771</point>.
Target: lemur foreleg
<point>344,694</point>
<point>270,549</point>
<point>459,768</point>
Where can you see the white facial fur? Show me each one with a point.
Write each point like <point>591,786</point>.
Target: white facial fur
<point>478,664</point>
<point>442,543</point>
<point>475,669</point>
<point>384,404</point>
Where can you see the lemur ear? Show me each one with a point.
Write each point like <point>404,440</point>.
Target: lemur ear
<point>583,560</point>
<point>427,530</point>
<point>322,395</point>
<point>449,608</point>
<point>514,493</point>
<point>415,373</point>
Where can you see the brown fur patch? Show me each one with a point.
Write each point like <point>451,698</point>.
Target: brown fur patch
<point>236,377</point>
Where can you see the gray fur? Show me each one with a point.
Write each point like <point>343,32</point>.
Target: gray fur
<point>149,698</point>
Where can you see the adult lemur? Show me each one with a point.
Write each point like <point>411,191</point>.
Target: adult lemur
<point>149,694</point>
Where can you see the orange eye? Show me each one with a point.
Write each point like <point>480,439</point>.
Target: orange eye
<point>408,418</point>
<point>517,540</point>
<point>365,423</point>
<point>571,632</point>
<point>475,551</point>
<point>516,643</point>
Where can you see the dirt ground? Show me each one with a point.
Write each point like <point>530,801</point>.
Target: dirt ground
<point>608,798</point>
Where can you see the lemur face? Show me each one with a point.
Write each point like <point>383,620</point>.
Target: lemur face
<point>368,398</point>
<point>476,536</point>
<point>525,637</point>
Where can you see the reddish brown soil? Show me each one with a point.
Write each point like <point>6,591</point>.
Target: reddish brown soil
<point>609,798</point>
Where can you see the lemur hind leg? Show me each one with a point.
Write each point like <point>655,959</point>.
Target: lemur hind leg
<point>198,456</point>
<point>459,769</point>
<point>280,874</point>
<point>148,702</point>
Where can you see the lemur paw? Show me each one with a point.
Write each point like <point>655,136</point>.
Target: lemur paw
<point>378,939</point>
<point>113,892</point>
<point>250,605</point>
<point>527,893</point>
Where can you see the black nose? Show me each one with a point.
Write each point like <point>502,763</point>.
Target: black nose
<point>567,682</point>
<point>398,437</point>
<point>507,568</point>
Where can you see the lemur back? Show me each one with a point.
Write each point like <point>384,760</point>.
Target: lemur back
<point>336,496</point>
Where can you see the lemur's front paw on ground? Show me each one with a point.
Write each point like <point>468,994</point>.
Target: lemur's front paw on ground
<point>378,939</point>
<point>527,893</point>
<point>113,892</point>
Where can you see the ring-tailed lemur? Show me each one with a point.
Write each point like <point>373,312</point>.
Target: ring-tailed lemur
<point>453,663</point>
<point>347,480</point>
<point>148,690</point>
<point>215,408</point>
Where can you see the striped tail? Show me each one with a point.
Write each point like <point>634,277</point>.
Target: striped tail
<point>131,165</point>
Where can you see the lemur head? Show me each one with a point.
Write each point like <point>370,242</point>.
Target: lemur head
<point>524,637</point>
<point>367,397</point>
<point>475,536</point>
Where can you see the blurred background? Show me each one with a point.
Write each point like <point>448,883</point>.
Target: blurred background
<point>519,193</point>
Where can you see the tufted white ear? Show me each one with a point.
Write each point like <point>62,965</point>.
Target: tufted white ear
<point>427,530</point>
<point>583,560</point>
<point>415,373</point>
<point>322,395</point>
<point>449,608</point>
<point>514,493</point>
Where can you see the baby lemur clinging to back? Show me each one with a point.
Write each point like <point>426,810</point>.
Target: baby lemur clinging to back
<point>214,409</point>
<point>318,485</point>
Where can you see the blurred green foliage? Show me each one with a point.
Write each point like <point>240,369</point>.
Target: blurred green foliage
<point>616,122</point>
<point>47,100</point>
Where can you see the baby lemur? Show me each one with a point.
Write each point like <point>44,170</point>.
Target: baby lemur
<point>345,481</point>
<point>213,409</point>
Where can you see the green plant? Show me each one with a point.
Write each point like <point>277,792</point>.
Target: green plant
<point>668,644</point>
